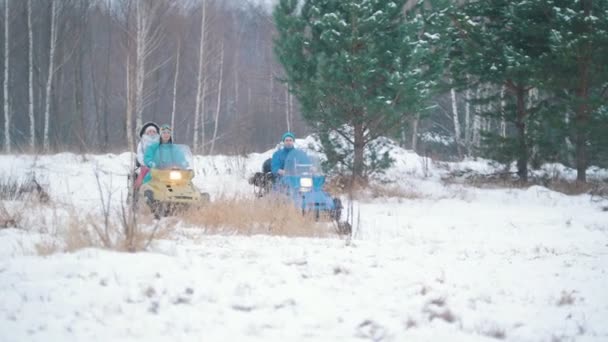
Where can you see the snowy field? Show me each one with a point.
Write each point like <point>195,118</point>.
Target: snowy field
<point>439,263</point>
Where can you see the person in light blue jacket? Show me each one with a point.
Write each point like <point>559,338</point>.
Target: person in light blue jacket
<point>278,158</point>
<point>163,154</point>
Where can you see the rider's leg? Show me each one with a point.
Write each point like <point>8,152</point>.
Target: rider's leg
<point>140,178</point>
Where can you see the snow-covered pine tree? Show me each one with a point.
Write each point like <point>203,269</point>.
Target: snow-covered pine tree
<point>577,69</point>
<point>501,43</point>
<point>355,66</point>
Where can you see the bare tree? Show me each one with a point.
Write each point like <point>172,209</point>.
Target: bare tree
<point>148,40</point>
<point>51,73</point>
<point>7,114</point>
<point>287,107</point>
<point>219,99</point>
<point>175,80</point>
<point>201,85</point>
<point>30,73</point>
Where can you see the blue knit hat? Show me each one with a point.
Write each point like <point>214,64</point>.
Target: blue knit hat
<point>288,135</point>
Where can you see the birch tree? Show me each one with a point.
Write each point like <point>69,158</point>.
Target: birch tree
<point>51,73</point>
<point>30,74</point>
<point>467,120</point>
<point>288,107</point>
<point>7,114</point>
<point>456,123</point>
<point>201,85</point>
<point>175,80</point>
<point>219,99</point>
<point>148,40</point>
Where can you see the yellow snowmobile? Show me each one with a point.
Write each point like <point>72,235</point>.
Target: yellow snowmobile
<point>168,186</point>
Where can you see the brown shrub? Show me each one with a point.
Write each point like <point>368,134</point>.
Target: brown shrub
<point>268,215</point>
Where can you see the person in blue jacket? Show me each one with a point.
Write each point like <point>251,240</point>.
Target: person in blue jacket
<point>278,158</point>
<point>162,154</point>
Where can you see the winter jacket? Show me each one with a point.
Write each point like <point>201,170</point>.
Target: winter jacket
<point>163,156</point>
<point>145,142</point>
<point>278,160</point>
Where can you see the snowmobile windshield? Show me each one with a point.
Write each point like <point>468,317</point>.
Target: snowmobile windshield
<point>301,163</point>
<point>173,156</point>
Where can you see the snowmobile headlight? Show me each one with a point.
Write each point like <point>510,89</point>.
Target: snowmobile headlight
<point>306,182</point>
<point>175,175</point>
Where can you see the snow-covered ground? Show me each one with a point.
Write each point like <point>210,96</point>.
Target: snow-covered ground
<point>440,263</point>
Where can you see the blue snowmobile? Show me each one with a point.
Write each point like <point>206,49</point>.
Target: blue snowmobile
<point>303,183</point>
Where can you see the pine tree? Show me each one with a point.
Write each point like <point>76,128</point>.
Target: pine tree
<point>502,43</point>
<point>577,72</point>
<point>356,66</point>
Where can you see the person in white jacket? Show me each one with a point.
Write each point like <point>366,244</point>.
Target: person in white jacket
<point>148,136</point>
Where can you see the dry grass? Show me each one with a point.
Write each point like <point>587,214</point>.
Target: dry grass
<point>510,181</point>
<point>495,332</point>
<point>391,190</point>
<point>567,298</point>
<point>9,217</point>
<point>48,247</point>
<point>27,189</point>
<point>445,315</point>
<point>65,228</point>
<point>247,216</point>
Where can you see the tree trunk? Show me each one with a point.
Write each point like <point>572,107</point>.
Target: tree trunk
<point>30,74</point>
<point>415,132</point>
<point>95,100</point>
<point>129,113</point>
<point>219,99</point>
<point>7,114</point>
<point>358,162</point>
<point>475,134</point>
<point>140,61</point>
<point>235,66</point>
<point>106,84</point>
<point>581,121</point>
<point>520,124</point>
<point>582,116</point>
<point>271,81</point>
<point>78,96</point>
<point>49,81</point>
<point>503,120</point>
<point>467,121</point>
<point>287,107</point>
<point>175,80</point>
<point>456,123</point>
<point>200,89</point>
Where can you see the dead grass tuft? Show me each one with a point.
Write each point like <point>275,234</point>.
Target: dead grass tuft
<point>437,308</point>
<point>410,323</point>
<point>445,315</point>
<point>343,184</point>
<point>10,217</point>
<point>47,247</point>
<point>391,190</point>
<point>440,301</point>
<point>567,298</point>
<point>495,332</point>
<point>247,216</point>
<point>27,189</point>
<point>510,180</point>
